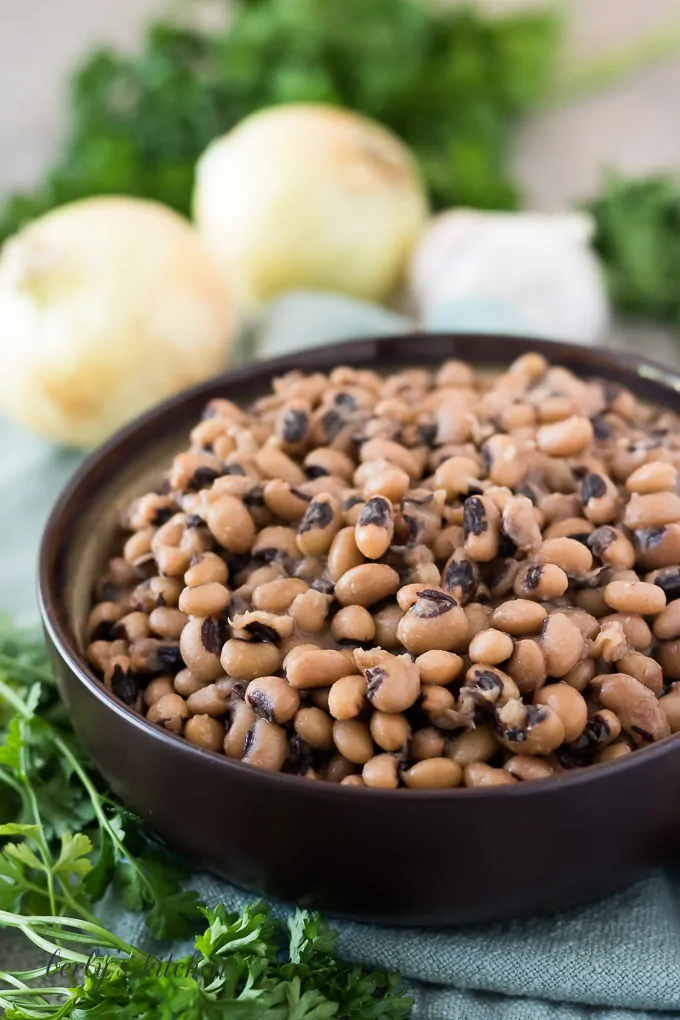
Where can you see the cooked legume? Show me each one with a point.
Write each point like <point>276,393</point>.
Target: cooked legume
<point>417,581</point>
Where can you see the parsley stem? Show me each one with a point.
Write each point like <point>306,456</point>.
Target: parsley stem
<point>35,812</point>
<point>40,673</point>
<point>13,699</point>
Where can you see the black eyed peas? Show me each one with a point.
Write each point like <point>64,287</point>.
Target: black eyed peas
<point>420,581</point>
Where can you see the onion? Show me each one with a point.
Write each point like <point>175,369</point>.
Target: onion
<point>314,197</point>
<point>107,306</point>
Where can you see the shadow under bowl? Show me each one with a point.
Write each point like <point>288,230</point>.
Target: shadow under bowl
<point>439,857</point>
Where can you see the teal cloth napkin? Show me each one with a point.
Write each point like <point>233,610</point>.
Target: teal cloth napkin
<point>618,959</point>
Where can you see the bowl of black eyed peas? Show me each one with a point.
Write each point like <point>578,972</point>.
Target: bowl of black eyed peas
<point>345,625</point>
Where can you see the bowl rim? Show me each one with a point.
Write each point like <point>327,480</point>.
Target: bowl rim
<point>318,359</point>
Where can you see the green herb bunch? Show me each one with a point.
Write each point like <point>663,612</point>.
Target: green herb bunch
<point>65,840</point>
<point>449,80</point>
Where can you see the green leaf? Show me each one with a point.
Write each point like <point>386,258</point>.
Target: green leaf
<point>10,749</point>
<point>74,859</point>
<point>17,829</point>
<point>21,852</point>
<point>175,916</point>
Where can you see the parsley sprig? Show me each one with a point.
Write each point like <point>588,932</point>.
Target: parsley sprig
<point>65,840</point>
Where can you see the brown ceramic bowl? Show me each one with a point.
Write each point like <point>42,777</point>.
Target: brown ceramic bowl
<point>437,857</point>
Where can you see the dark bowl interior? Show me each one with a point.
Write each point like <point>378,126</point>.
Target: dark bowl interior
<point>445,857</point>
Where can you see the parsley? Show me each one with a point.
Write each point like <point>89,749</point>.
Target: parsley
<point>638,238</point>
<point>59,854</point>
<point>449,80</point>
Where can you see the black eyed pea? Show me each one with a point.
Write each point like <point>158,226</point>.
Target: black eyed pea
<point>186,684</point>
<point>157,688</point>
<point>275,542</point>
<point>343,554</point>
<point>433,774</point>
<point>568,704</point>
<point>375,528</point>
<point>635,597</point>
<point>325,461</point>
<point>395,453</point>
<point>310,609</point>
<point>285,500</point>
<point>278,595</point>
<point>292,425</point>
<point>308,666</point>
<point>390,482</point>
<point>488,686</point>
<point>167,622</point>
<point>272,462</point>
<point>447,541</point>
<point>655,476</point>
<point>266,745</point>
<point>435,699</point>
<point>200,645</point>
<point>428,742</point>
<point>272,698</point>
<point>670,704</point>
<point>435,621</point>
<point>204,568</point>
<point>540,581</point>
<point>658,547</point>
<point>338,768</point>
<point>247,660</point>
<point>602,728</point>
<point>477,617</point>
<point>204,731</point>
<point>520,523</point>
<point>612,547</point>
<point>319,697</point>
<point>526,766</point>
<point>600,498</point>
<point>481,528</point>
<point>310,569</point>
<point>506,458</point>
<point>491,646</point>
<point>613,751</point>
<point>572,556</point>
<point>611,643</point>
<point>439,667</point>
<point>643,668</point>
<point>580,676</point>
<point>209,599</point>
<point>407,596</point>
<point>569,527</point>
<point>101,620</point>
<point>352,781</point>
<point>635,628</point>
<point>455,373</point>
<point>212,699</point>
<point>529,729</point>
<point>386,622</point>
<point>518,617</point>
<point>468,746</point>
<point>353,623</point>
<point>591,601</point>
<point>562,644</point>
<point>231,524</point>
<point>527,666</point>
<point>366,584</point>
<point>131,627</point>
<point>170,712</point>
<point>353,740</point>
<point>668,656</point>
<point>393,680</point>
<point>382,772</point>
<point>587,624</point>
<point>634,704</point>
<point>478,774</point>
<point>315,727</point>
<point>667,624</point>
<point>456,475</point>
<point>320,525</point>
<point>347,697</point>
<point>137,549</point>
<point>390,730</point>
<point>654,510</point>
<point>241,718</point>
<point>565,438</point>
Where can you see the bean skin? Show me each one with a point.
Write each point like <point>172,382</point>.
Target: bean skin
<point>309,666</point>
<point>343,554</point>
<point>353,740</point>
<point>540,581</point>
<point>433,774</point>
<point>375,528</point>
<point>568,704</point>
<point>518,617</point>
<point>366,584</point>
<point>231,524</point>
<point>353,623</point>
<point>247,660</point>
<point>382,772</point>
<point>390,730</point>
<point>315,727</point>
<point>393,680</point>
<point>525,766</point>
<point>480,774</point>
<point>347,697</point>
<point>565,438</point>
<point>527,666</point>
<point>635,705</point>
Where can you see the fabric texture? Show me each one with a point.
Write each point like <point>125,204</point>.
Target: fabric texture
<point>618,959</point>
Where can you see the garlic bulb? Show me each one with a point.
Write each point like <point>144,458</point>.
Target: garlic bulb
<point>309,197</point>
<point>107,306</point>
<point>536,267</point>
